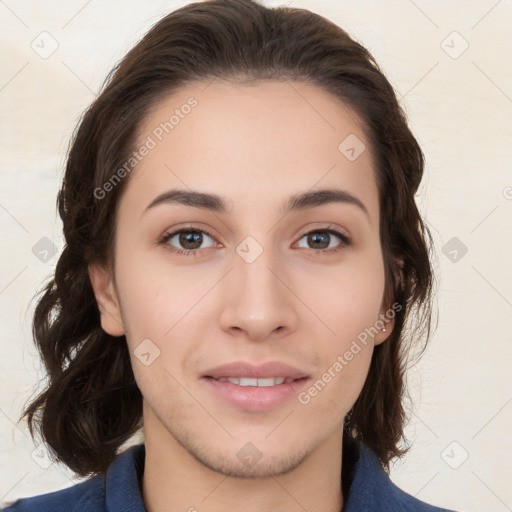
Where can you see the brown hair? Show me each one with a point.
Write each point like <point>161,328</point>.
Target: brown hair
<point>91,404</point>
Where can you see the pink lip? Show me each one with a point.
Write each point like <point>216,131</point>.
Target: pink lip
<point>253,398</point>
<point>241,369</point>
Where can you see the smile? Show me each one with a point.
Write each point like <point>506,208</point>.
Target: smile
<point>262,383</point>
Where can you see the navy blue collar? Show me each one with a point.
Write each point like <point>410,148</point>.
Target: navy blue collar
<point>366,486</point>
<point>123,481</point>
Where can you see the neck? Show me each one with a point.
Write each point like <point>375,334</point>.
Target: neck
<point>175,480</point>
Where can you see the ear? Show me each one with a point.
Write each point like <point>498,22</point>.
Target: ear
<point>385,325</point>
<point>108,304</point>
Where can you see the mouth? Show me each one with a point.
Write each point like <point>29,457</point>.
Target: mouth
<point>255,388</point>
<point>260,383</point>
<point>247,374</point>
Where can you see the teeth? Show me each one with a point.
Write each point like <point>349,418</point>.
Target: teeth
<point>271,381</point>
<point>249,381</point>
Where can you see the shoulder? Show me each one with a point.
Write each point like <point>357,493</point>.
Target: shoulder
<point>117,489</point>
<point>88,496</point>
<point>372,489</point>
<point>408,503</point>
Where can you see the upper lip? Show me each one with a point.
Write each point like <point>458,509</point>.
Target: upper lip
<point>262,371</point>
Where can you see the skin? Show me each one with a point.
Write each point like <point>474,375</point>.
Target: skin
<point>255,146</point>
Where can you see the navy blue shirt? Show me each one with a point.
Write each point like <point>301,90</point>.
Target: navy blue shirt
<point>366,486</point>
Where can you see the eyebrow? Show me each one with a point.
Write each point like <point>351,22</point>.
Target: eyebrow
<point>215,203</point>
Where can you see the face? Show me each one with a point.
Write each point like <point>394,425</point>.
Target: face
<point>248,274</point>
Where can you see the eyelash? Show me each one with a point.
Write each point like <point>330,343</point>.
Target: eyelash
<point>345,241</point>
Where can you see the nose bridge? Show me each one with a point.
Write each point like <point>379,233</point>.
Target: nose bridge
<point>258,301</point>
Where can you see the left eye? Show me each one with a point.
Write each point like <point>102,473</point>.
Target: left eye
<point>322,239</point>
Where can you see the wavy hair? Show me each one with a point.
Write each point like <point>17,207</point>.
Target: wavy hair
<point>90,404</point>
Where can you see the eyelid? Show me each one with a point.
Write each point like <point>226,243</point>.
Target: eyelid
<point>329,228</point>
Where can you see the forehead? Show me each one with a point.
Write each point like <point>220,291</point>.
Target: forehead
<point>253,141</point>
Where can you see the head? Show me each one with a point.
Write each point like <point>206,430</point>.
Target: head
<point>252,105</point>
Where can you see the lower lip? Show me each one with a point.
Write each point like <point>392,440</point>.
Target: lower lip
<point>253,398</point>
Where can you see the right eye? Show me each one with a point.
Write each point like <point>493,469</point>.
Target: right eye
<point>186,241</point>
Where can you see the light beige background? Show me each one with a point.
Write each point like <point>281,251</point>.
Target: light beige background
<point>460,107</point>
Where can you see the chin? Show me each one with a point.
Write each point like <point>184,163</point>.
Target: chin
<point>250,463</point>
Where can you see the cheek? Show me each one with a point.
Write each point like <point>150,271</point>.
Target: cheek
<point>163,317</point>
<point>155,296</point>
<point>333,392</point>
<point>347,300</point>
<point>348,304</point>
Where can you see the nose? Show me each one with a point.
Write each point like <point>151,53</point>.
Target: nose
<point>257,300</point>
